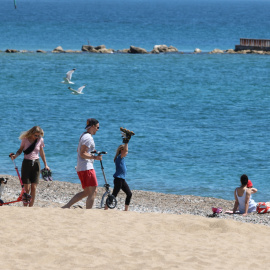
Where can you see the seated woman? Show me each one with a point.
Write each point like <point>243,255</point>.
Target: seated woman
<point>243,201</point>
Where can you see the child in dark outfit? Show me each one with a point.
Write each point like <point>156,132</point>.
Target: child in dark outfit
<point>120,173</point>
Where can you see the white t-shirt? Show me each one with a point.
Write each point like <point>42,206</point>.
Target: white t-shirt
<point>85,164</point>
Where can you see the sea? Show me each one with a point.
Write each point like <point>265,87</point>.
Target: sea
<point>200,120</point>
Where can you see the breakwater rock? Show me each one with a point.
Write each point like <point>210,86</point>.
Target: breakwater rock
<point>157,49</point>
<point>163,49</point>
<point>11,51</point>
<point>97,49</point>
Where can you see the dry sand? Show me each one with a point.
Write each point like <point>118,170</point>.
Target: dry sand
<point>53,238</point>
<point>48,237</point>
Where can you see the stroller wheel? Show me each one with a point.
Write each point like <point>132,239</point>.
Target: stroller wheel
<point>111,202</point>
<point>103,200</point>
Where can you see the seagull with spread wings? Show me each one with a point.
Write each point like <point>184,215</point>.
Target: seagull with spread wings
<point>77,92</point>
<point>67,79</point>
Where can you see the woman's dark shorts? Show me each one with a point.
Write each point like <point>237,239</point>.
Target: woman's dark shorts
<point>30,171</point>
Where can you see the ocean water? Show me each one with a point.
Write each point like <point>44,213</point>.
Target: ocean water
<point>201,120</point>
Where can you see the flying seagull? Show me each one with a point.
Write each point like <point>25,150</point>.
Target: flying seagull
<point>77,92</point>
<point>67,80</point>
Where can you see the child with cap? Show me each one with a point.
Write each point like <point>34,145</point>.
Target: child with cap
<point>250,186</point>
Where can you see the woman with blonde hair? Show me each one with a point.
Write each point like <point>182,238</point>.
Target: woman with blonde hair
<point>32,145</point>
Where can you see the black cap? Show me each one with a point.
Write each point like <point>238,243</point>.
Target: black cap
<point>91,122</point>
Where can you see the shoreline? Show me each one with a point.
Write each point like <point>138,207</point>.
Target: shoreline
<point>55,194</point>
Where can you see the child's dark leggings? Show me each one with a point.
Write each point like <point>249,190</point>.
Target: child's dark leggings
<point>120,183</point>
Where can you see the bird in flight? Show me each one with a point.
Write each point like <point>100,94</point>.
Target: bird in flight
<point>67,79</point>
<point>77,92</point>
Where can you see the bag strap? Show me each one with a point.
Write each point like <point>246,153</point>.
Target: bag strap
<point>83,134</point>
<point>30,148</point>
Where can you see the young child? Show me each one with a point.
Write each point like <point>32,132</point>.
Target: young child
<point>121,169</point>
<point>250,186</point>
<point>262,207</point>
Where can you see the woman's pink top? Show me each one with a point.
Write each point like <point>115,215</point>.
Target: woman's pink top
<point>35,153</point>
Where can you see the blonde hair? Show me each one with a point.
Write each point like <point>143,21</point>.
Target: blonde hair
<point>32,131</point>
<point>118,151</point>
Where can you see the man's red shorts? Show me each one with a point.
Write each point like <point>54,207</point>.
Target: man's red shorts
<point>88,178</point>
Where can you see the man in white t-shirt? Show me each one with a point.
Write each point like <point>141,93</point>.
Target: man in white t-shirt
<point>85,168</point>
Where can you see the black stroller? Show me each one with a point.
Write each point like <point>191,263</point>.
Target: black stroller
<point>107,197</point>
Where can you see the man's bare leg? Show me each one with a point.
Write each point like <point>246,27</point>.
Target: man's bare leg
<point>91,197</point>
<point>88,191</point>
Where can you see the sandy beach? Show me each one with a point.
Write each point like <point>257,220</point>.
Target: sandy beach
<point>160,232</point>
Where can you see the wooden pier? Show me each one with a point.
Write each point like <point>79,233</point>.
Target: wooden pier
<point>253,44</point>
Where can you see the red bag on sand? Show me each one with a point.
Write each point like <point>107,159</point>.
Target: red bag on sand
<point>216,210</point>
<point>262,208</point>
